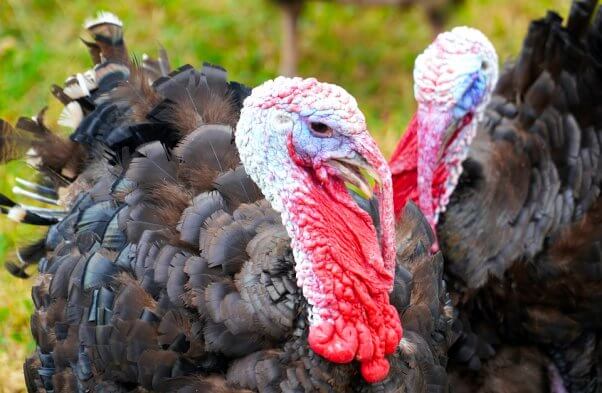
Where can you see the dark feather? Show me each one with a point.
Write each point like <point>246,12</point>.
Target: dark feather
<point>170,271</point>
<point>519,230</point>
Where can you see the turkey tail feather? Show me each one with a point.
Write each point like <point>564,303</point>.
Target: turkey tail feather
<point>107,31</point>
<point>169,271</point>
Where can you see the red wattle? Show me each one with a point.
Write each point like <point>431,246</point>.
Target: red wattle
<point>375,370</point>
<point>357,320</point>
<point>393,336</point>
<point>404,171</point>
<point>327,342</point>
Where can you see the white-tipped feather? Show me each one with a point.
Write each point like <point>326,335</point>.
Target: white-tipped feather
<point>79,85</point>
<point>36,197</point>
<point>71,115</point>
<point>83,84</point>
<point>407,347</point>
<point>43,210</point>
<point>448,310</point>
<point>20,258</point>
<point>68,172</point>
<point>33,159</point>
<point>16,214</point>
<point>74,91</point>
<point>34,186</point>
<point>90,79</point>
<point>103,17</point>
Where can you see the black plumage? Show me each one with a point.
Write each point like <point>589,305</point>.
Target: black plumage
<point>520,234</point>
<point>171,272</point>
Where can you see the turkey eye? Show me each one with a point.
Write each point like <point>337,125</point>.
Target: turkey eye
<point>320,129</point>
<point>484,65</point>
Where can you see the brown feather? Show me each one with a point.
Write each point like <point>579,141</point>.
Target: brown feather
<point>139,297</point>
<point>108,38</point>
<point>188,115</point>
<point>574,239</point>
<point>138,94</point>
<point>55,153</point>
<point>513,370</point>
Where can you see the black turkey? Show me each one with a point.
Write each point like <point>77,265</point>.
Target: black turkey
<point>517,211</point>
<point>167,270</point>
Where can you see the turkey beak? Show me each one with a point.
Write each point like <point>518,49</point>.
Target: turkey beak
<point>357,174</point>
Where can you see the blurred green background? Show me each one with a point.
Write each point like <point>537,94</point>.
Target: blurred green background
<point>368,50</point>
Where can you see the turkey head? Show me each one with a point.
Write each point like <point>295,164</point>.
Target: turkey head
<point>306,145</point>
<point>453,81</point>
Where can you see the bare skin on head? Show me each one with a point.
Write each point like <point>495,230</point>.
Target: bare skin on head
<point>453,81</point>
<point>306,145</point>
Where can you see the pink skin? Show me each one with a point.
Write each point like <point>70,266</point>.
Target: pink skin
<point>358,321</point>
<point>419,167</point>
<point>345,273</point>
<point>434,123</point>
<point>418,174</point>
<point>453,80</point>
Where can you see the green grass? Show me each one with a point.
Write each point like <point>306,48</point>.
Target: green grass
<point>369,51</point>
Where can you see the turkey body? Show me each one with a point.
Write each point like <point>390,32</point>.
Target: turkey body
<point>169,271</point>
<point>522,230</point>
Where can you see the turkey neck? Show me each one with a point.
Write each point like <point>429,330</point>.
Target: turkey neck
<point>338,260</point>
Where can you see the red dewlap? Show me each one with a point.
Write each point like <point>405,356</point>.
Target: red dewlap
<point>404,170</point>
<point>358,320</point>
<point>325,341</point>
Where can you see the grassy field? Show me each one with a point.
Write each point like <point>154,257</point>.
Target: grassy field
<point>369,51</point>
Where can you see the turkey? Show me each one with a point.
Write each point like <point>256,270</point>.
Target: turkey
<point>510,178</point>
<point>166,268</point>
